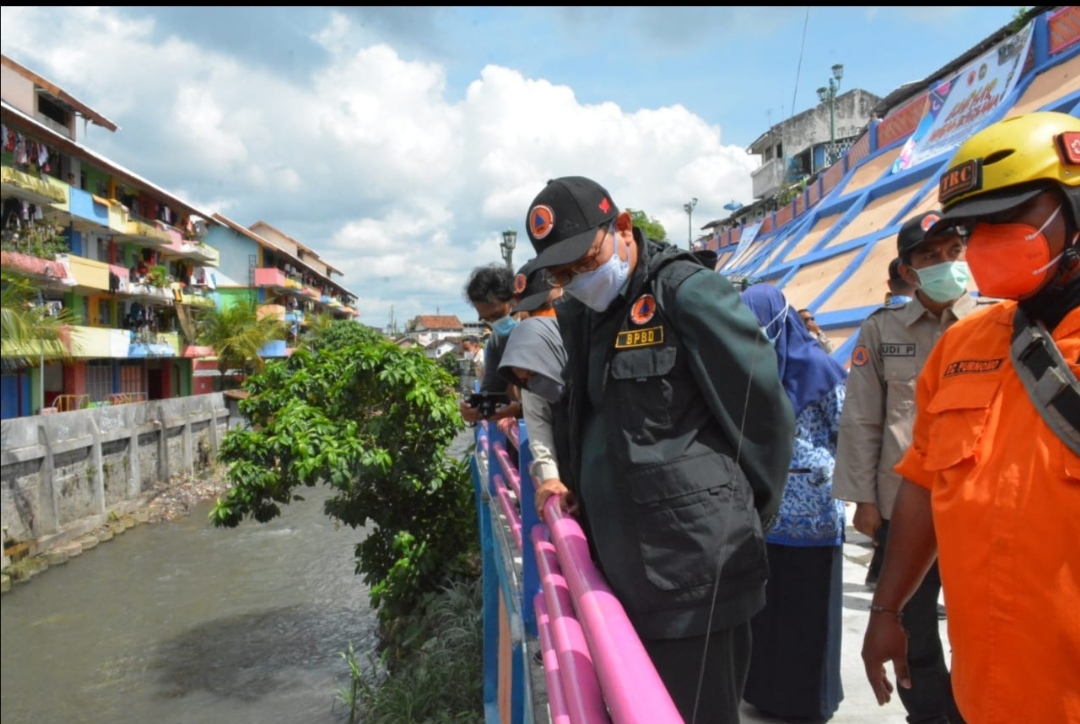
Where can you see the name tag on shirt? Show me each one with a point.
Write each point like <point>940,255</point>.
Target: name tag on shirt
<point>892,349</point>
<point>640,338</point>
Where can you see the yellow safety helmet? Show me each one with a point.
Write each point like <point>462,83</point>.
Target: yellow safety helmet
<point>1011,161</point>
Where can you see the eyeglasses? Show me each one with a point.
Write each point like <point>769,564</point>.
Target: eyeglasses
<point>561,276</point>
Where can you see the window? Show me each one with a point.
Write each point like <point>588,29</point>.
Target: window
<point>102,249</point>
<point>131,376</point>
<point>53,111</point>
<point>99,379</point>
<point>105,312</point>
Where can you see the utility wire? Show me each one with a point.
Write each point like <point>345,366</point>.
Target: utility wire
<point>798,68</point>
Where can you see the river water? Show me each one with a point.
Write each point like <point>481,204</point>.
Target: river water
<point>183,623</point>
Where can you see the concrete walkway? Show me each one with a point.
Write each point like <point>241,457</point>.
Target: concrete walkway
<point>859,705</point>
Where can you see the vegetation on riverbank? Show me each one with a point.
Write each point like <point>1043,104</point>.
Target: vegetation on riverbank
<point>436,675</point>
<point>374,421</point>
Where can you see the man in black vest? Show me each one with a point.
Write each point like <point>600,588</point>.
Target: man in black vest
<point>681,437</point>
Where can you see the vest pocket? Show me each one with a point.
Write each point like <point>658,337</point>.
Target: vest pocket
<point>689,513</point>
<point>642,391</point>
<point>960,410</point>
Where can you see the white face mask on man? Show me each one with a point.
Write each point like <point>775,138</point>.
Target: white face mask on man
<point>944,282</point>
<point>598,288</point>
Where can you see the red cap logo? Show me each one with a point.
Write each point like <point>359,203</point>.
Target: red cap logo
<point>1069,143</point>
<point>605,205</point>
<point>929,220</point>
<point>541,221</point>
<point>519,283</point>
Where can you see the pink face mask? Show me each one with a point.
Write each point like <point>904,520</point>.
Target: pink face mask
<point>1011,261</point>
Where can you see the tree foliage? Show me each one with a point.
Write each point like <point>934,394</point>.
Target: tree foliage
<point>649,225</point>
<point>27,329</point>
<point>452,365</point>
<point>237,334</point>
<point>315,325</point>
<point>373,421</point>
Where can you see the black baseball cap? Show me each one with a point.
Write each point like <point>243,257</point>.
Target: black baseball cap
<point>530,287</point>
<point>564,217</point>
<point>914,231</point>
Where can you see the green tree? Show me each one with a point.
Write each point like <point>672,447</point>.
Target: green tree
<point>373,421</point>
<point>237,334</point>
<point>450,363</point>
<point>28,331</point>
<point>648,225</point>
<point>315,325</point>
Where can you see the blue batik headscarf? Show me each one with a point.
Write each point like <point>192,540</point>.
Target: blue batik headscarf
<point>806,370</point>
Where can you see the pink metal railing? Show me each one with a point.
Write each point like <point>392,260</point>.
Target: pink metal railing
<point>509,508</point>
<point>581,688</point>
<point>633,690</point>
<point>560,713</point>
<point>597,669</point>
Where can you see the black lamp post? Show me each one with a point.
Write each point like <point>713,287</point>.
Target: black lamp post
<point>507,246</point>
<point>688,207</point>
<point>828,95</point>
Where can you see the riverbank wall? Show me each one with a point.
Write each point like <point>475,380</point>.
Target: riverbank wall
<point>65,474</point>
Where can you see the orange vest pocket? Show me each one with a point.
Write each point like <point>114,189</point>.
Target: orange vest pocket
<point>959,412</point>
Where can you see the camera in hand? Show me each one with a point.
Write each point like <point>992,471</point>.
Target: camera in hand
<point>486,402</point>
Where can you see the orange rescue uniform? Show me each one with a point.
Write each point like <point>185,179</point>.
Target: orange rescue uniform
<point>1005,492</point>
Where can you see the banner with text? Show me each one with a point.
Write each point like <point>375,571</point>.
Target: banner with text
<point>749,234</point>
<point>957,107</point>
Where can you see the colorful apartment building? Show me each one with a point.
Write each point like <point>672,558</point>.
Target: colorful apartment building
<point>285,278</point>
<point>133,262</point>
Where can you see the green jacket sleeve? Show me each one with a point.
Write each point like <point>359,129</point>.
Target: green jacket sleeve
<point>736,371</point>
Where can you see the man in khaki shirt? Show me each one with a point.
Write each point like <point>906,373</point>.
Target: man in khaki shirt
<point>876,424</point>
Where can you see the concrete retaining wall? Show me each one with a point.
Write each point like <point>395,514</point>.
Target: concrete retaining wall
<point>63,473</point>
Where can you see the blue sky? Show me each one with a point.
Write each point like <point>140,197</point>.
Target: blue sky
<point>399,142</point>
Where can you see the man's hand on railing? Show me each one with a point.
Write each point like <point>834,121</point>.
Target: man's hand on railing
<point>554,486</point>
<point>513,409</point>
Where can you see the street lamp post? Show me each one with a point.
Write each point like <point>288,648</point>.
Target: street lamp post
<point>828,95</point>
<point>688,207</point>
<point>507,246</point>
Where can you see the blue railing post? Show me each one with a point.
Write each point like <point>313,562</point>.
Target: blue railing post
<point>530,576</point>
<point>490,589</point>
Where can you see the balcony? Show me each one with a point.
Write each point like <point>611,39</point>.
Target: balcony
<point>148,292</point>
<point>165,344</point>
<point>279,312</point>
<point>52,125</point>
<point>144,234</point>
<point>43,191</point>
<point>99,342</point>
<point>273,278</point>
<point>276,348</point>
<point>197,300</point>
<point>311,293</point>
<point>769,179</point>
<point>89,275</point>
<point>42,270</point>
<point>88,213</point>
<point>200,252</point>
<point>194,351</point>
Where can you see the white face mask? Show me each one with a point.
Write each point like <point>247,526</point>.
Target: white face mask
<point>598,288</point>
<point>944,282</point>
<point>782,318</point>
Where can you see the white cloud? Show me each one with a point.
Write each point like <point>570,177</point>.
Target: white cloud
<point>367,160</point>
